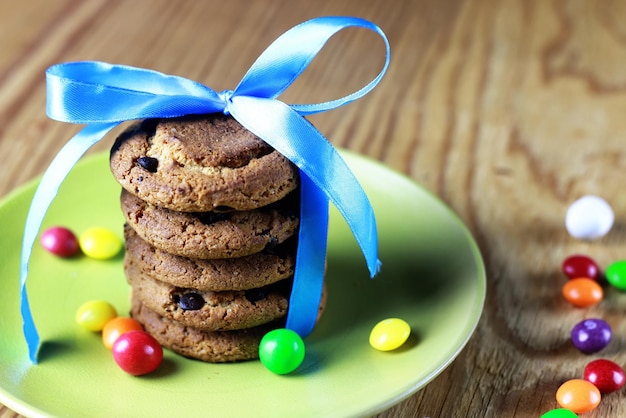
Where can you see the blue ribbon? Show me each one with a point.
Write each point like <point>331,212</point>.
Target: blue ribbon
<point>102,95</point>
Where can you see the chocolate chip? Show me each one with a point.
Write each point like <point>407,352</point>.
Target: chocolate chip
<point>255,295</point>
<point>209,218</point>
<point>190,301</point>
<point>148,163</point>
<point>271,246</point>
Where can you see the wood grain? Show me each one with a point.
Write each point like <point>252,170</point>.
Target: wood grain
<point>507,110</point>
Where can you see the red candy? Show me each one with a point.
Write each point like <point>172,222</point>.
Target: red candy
<point>606,375</point>
<point>60,241</point>
<point>137,352</point>
<point>579,265</point>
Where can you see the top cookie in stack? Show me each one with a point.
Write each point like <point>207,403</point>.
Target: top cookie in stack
<point>201,164</point>
<point>205,202</point>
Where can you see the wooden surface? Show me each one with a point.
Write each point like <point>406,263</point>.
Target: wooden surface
<point>507,110</point>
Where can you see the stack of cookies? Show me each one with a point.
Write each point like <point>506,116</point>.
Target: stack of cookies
<point>211,226</point>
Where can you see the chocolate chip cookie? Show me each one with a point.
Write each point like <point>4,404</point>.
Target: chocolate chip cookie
<point>207,310</point>
<point>209,235</point>
<point>209,346</point>
<point>200,164</point>
<point>253,271</point>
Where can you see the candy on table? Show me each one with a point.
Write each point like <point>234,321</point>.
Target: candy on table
<point>589,217</point>
<point>100,243</point>
<point>389,334</point>
<point>137,352</point>
<point>616,274</point>
<point>60,241</point>
<point>281,351</point>
<point>579,265</point>
<point>582,292</point>
<point>591,335</point>
<point>93,315</point>
<point>559,413</point>
<point>605,374</point>
<point>578,396</point>
<point>114,328</point>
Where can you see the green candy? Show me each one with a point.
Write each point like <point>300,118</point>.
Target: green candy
<point>281,351</point>
<point>559,413</point>
<point>616,274</point>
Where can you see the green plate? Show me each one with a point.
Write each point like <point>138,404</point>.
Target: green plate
<point>432,277</point>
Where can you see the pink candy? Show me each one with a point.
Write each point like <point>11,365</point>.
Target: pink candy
<point>60,241</point>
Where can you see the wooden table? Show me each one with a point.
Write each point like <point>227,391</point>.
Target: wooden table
<point>506,110</point>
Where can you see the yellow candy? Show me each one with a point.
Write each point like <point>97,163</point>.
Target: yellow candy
<point>389,334</point>
<point>94,315</point>
<point>100,243</point>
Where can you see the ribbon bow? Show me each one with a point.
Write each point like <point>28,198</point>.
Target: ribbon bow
<point>102,95</point>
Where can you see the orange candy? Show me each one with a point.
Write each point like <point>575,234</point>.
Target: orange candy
<point>578,396</point>
<point>116,327</point>
<point>582,292</point>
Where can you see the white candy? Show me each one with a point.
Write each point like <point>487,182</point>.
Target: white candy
<point>589,217</point>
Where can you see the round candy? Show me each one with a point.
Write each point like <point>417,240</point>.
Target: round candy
<point>616,274</point>
<point>137,352</point>
<point>579,265</point>
<point>60,241</point>
<point>559,413</point>
<point>389,334</point>
<point>582,292</point>
<point>591,335</point>
<point>94,315</point>
<point>589,217</point>
<point>606,375</point>
<point>100,243</point>
<point>578,396</point>
<point>116,327</point>
<point>281,351</point>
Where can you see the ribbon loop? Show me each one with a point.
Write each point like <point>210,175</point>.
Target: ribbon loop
<point>96,92</point>
<point>103,95</point>
<point>289,55</point>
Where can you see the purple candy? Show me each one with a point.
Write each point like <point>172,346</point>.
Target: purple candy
<point>591,335</point>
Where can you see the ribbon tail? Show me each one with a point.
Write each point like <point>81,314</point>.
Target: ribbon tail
<point>45,193</point>
<point>295,138</point>
<point>308,278</point>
